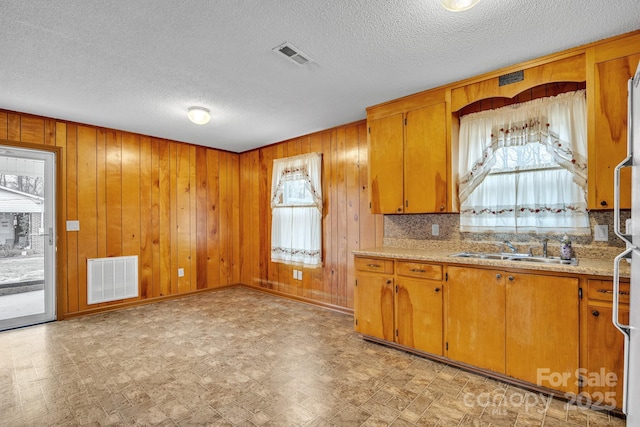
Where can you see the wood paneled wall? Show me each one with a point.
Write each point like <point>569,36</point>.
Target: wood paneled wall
<point>173,204</point>
<point>177,205</point>
<point>347,224</point>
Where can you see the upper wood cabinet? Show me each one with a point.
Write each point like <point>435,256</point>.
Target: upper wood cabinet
<point>386,164</point>
<point>408,159</point>
<point>425,160</point>
<point>413,140</point>
<point>610,67</point>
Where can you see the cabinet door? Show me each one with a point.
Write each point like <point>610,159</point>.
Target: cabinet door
<point>425,160</point>
<point>476,317</point>
<point>542,330</point>
<point>605,356</point>
<point>385,164</point>
<point>419,314</point>
<point>373,306</point>
<point>610,140</point>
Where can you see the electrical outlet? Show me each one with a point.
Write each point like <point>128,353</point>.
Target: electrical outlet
<point>181,272</point>
<point>435,229</point>
<point>299,274</point>
<point>295,274</point>
<point>73,225</point>
<point>601,233</point>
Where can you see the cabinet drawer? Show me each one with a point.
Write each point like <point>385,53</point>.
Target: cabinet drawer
<point>420,270</point>
<point>602,290</point>
<point>374,264</point>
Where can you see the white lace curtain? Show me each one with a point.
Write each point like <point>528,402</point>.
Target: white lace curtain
<point>296,210</point>
<point>524,167</point>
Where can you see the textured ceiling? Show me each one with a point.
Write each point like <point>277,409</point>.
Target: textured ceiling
<point>138,65</point>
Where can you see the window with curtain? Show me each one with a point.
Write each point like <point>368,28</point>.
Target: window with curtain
<point>296,210</point>
<point>523,168</point>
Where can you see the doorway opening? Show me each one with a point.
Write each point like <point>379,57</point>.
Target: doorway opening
<point>27,237</point>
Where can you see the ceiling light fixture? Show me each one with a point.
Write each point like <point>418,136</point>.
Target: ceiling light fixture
<point>199,115</point>
<point>458,5</point>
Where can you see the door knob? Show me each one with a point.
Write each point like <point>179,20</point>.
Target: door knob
<point>595,313</point>
<point>498,276</point>
<point>511,278</point>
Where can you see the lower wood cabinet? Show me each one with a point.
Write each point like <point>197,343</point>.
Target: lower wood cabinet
<point>418,306</point>
<point>604,368</point>
<point>523,325</point>
<point>519,324</point>
<point>405,307</point>
<point>542,330</point>
<point>476,318</point>
<point>373,305</point>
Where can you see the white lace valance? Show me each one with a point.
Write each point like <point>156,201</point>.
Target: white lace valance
<point>523,168</point>
<point>305,168</point>
<point>558,123</point>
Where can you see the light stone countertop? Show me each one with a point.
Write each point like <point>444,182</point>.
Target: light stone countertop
<point>586,266</point>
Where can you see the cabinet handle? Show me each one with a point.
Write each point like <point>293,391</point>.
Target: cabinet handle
<point>609,291</point>
<point>441,207</point>
<point>511,278</point>
<point>417,270</point>
<point>596,313</point>
<point>437,289</point>
<point>498,276</point>
<point>374,265</point>
<point>400,209</point>
<point>603,203</point>
<point>388,281</point>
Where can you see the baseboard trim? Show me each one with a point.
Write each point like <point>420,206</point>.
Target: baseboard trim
<point>135,303</point>
<point>332,307</point>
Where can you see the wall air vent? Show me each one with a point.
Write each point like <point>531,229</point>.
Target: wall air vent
<point>292,53</point>
<point>507,79</point>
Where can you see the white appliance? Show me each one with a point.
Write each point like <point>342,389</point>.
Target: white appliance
<point>631,400</point>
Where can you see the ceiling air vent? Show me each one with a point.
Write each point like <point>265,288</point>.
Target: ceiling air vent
<point>292,53</point>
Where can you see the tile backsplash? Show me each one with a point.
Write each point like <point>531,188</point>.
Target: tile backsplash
<point>414,231</point>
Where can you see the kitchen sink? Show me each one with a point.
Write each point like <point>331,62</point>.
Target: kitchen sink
<point>546,260</point>
<point>482,255</point>
<point>505,256</point>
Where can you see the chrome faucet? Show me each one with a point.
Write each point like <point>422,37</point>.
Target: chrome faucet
<point>544,246</point>
<point>510,246</point>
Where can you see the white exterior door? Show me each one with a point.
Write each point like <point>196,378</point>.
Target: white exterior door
<point>27,237</point>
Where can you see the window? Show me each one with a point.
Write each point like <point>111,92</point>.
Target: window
<point>296,210</point>
<point>523,168</point>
